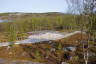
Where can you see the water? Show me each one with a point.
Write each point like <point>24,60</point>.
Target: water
<point>3,20</point>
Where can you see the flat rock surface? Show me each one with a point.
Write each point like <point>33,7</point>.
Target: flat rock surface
<point>45,36</point>
<point>3,61</point>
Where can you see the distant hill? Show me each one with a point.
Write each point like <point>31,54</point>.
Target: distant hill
<point>16,15</point>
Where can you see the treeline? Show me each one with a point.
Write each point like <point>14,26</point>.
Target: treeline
<point>28,24</point>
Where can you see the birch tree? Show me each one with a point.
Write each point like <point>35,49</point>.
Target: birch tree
<point>86,10</point>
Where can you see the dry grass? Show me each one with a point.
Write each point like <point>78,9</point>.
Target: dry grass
<point>72,40</point>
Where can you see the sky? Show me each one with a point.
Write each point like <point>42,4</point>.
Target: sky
<point>33,6</point>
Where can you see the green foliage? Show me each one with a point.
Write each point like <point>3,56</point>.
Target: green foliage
<point>59,46</point>
<point>37,53</point>
<point>47,21</point>
<point>12,33</point>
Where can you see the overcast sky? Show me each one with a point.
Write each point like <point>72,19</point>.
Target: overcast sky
<point>34,6</point>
